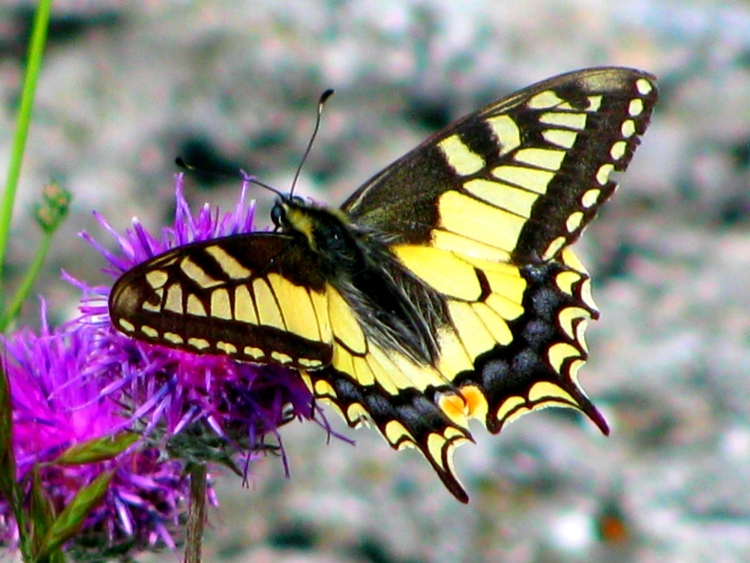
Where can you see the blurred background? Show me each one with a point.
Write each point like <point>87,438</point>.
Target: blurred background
<point>126,87</point>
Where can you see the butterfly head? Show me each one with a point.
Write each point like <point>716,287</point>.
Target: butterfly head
<point>327,231</point>
<point>284,209</point>
<point>291,214</point>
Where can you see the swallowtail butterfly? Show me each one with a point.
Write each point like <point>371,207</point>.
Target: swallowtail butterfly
<point>443,289</point>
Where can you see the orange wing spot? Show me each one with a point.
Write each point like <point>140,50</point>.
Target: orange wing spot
<point>470,402</point>
<point>454,407</point>
<point>476,402</point>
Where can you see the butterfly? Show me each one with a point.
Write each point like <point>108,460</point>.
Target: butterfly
<point>443,289</point>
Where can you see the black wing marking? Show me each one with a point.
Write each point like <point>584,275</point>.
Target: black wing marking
<point>400,398</point>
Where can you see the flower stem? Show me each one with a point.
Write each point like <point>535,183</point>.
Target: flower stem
<point>27,283</point>
<point>196,513</point>
<point>33,68</point>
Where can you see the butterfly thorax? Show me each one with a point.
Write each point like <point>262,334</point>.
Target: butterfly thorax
<point>395,309</point>
<point>324,230</point>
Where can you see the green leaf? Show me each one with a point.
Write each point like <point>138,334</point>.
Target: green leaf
<point>41,512</point>
<point>98,449</point>
<point>74,515</point>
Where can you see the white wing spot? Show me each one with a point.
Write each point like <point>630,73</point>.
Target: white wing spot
<point>644,86</point>
<point>618,150</point>
<point>574,221</point>
<point>198,343</point>
<point>554,247</point>
<point>150,331</point>
<point>635,107</point>
<point>126,325</point>
<point>566,280</point>
<point>586,296</point>
<point>628,128</point>
<point>253,352</point>
<point>590,198</point>
<point>559,353</point>
<point>173,337</point>
<point>226,347</point>
<point>281,357</point>
<point>603,173</point>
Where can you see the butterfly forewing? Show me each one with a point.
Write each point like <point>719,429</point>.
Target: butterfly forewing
<point>257,297</point>
<point>524,174</point>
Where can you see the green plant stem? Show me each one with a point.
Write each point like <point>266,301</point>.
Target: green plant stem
<point>27,283</point>
<point>33,68</point>
<point>196,513</point>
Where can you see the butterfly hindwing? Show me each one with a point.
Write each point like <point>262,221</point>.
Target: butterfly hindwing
<point>406,416</point>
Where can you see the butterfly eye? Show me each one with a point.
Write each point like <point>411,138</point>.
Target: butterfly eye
<point>278,216</point>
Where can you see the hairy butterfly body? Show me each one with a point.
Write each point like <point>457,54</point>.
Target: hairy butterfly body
<point>443,289</point>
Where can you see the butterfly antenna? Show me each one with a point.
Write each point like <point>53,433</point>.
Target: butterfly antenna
<point>179,161</point>
<point>323,98</point>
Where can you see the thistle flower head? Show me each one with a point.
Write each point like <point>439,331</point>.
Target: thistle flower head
<point>226,408</point>
<point>84,382</point>
<point>55,407</point>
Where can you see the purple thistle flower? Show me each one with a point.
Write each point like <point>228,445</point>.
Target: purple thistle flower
<point>85,380</point>
<point>54,407</point>
<point>203,408</point>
